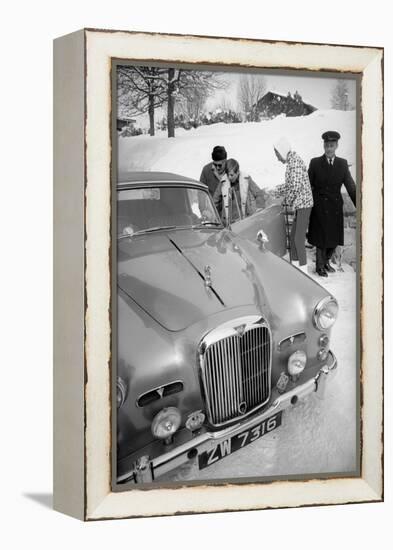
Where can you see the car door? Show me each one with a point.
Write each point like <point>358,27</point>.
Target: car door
<point>272,221</point>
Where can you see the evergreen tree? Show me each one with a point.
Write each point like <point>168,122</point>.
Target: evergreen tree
<point>340,96</point>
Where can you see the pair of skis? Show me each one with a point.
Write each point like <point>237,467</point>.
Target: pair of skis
<point>288,224</point>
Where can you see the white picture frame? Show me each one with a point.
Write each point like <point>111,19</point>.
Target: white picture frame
<point>82,334</point>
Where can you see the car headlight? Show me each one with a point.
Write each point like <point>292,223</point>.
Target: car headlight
<point>166,423</point>
<point>121,392</point>
<point>325,313</point>
<point>296,363</point>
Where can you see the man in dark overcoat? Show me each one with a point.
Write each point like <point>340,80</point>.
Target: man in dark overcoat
<point>326,228</point>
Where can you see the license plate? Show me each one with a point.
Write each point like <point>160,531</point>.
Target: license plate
<point>236,442</point>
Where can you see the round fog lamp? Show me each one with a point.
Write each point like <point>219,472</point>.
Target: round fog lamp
<point>166,423</point>
<point>324,341</point>
<point>322,354</point>
<point>297,362</point>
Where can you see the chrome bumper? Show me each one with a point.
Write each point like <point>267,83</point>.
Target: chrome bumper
<point>147,470</point>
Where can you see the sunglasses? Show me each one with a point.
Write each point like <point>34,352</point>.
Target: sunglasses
<point>219,164</point>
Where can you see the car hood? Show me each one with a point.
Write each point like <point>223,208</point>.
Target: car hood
<point>180,277</point>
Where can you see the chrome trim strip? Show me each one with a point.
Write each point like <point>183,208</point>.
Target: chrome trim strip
<point>159,183</point>
<point>289,339</point>
<point>157,389</point>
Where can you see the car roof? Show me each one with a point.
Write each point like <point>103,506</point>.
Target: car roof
<point>130,179</point>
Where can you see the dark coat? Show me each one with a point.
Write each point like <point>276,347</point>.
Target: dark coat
<point>326,229</point>
<point>209,178</point>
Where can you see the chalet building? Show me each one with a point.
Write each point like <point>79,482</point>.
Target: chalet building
<point>124,122</point>
<point>273,104</point>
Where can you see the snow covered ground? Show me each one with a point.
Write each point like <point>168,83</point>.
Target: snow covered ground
<point>316,436</point>
<point>250,143</point>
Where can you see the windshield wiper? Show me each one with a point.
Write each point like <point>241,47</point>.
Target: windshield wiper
<point>149,230</point>
<point>207,222</point>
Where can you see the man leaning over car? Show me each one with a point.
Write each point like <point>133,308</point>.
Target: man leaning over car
<point>213,171</point>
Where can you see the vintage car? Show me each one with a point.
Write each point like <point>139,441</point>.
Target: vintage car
<point>217,335</point>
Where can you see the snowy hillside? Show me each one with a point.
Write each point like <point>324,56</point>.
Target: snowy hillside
<point>250,143</point>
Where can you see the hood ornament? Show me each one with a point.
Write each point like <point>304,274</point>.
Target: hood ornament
<point>208,276</point>
<point>240,330</point>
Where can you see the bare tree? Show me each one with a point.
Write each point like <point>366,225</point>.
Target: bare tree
<point>194,87</point>
<point>252,87</point>
<point>340,96</point>
<point>191,102</point>
<point>140,90</point>
<point>143,89</point>
<point>224,104</point>
<point>185,84</point>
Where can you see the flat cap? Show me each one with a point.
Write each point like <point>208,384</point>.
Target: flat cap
<point>331,136</point>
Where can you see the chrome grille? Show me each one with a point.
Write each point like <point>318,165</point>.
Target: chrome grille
<point>236,373</point>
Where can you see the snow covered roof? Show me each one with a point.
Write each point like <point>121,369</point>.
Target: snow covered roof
<point>285,94</point>
<point>275,92</point>
<point>288,100</point>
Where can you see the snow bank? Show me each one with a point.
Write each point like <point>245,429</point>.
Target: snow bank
<point>250,143</point>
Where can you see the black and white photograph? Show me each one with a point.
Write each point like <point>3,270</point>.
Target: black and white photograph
<point>237,274</point>
<point>197,295</point>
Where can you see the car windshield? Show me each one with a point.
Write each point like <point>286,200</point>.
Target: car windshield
<point>149,209</point>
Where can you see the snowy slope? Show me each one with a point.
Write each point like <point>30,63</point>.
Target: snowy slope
<point>250,143</point>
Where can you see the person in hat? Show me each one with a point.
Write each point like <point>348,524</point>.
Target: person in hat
<point>327,175</point>
<point>297,193</point>
<point>236,194</point>
<point>213,171</point>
